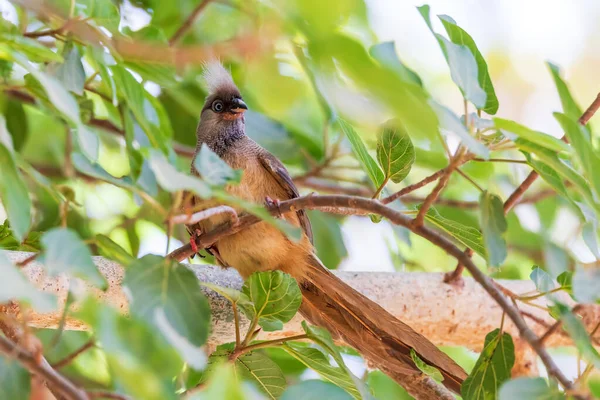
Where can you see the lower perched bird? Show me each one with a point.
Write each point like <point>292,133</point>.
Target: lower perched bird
<point>382,339</point>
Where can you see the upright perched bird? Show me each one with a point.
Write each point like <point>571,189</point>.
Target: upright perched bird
<point>382,339</point>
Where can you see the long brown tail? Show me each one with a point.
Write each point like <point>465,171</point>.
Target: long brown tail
<point>382,339</point>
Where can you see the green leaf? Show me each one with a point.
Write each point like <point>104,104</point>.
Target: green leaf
<point>362,154</point>
<point>449,122</point>
<point>14,195</point>
<point>103,12</point>
<point>316,360</point>
<point>530,389</point>
<point>213,169</point>
<point>539,138</point>
<point>83,165</point>
<point>467,235</point>
<point>88,142</point>
<point>543,281</point>
<point>328,239</point>
<point>15,286</point>
<point>575,328</point>
<point>580,139</point>
<point>590,237</point>
<point>223,384</point>
<point>262,372</point>
<point>275,298</point>
<point>567,173</point>
<point>494,226</point>
<point>586,282</point>
<point>64,102</point>
<point>548,174</point>
<point>111,250</point>
<point>386,54</point>
<point>172,180</point>
<point>15,381</point>
<point>395,151</point>
<point>70,73</point>
<point>64,252</point>
<point>166,294</point>
<point>462,62</point>
<point>143,107</point>
<point>142,364</point>
<point>570,107</point>
<point>459,36</point>
<point>492,368</point>
<point>31,48</point>
<point>425,368</point>
<point>16,123</point>
<point>315,390</point>
<point>384,387</point>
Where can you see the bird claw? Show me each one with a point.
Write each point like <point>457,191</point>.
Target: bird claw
<point>193,238</point>
<point>274,205</point>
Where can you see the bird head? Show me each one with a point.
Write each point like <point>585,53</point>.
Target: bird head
<point>224,101</point>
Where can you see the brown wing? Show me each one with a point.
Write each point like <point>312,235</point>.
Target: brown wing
<point>282,177</point>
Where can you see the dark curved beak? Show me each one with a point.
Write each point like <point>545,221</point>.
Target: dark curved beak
<point>238,106</point>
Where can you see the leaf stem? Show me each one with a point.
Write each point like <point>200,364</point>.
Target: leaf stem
<point>380,188</point>
<point>501,160</point>
<point>236,321</point>
<point>467,177</point>
<point>268,343</point>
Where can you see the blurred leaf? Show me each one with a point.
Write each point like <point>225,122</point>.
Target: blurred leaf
<point>84,166</point>
<point>539,138</point>
<point>576,330</point>
<point>493,226</point>
<point>111,250</point>
<point>548,174</point>
<point>223,384</point>
<point>65,252</point>
<point>467,235</point>
<point>530,389</point>
<point>384,387</point>
<point>170,179</point>
<point>580,140</point>
<point>567,173</point>
<point>459,36</point>
<point>585,285</point>
<point>492,368</point>
<point>88,142</point>
<point>262,372</point>
<point>570,107</point>
<point>317,361</point>
<point>386,54</point>
<point>395,152</point>
<point>30,48</point>
<point>144,107</point>
<point>166,294</point>
<point>57,94</point>
<point>315,390</point>
<point>275,298</point>
<point>556,259</point>
<point>462,62</point>
<point>14,196</point>
<point>543,282</point>
<point>70,73</point>
<point>15,286</point>
<point>565,280</point>
<point>141,362</point>
<point>328,238</point>
<point>428,370</point>
<point>590,237</point>
<point>16,123</point>
<point>449,122</point>
<point>362,154</point>
<point>15,381</point>
<point>213,169</point>
<point>103,12</point>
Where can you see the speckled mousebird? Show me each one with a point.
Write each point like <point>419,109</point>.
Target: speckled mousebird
<point>383,340</point>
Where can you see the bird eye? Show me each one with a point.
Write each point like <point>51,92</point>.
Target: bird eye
<point>217,106</point>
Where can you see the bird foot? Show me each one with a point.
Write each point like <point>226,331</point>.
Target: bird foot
<point>274,205</point>
<point>193,237</point>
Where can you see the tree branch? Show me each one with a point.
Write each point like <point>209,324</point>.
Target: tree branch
<point>187,24</point>
<point>58,382</point>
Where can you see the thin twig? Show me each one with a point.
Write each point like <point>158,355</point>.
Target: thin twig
<point>501,160</point>
<point>205,214</point>
<point>26,261</point>
<point>187,24</point>
<point>414,186</point>
<point>58,382</point>
<point>68,359</point>
<point>269,343</point>
<point>471,181</point>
